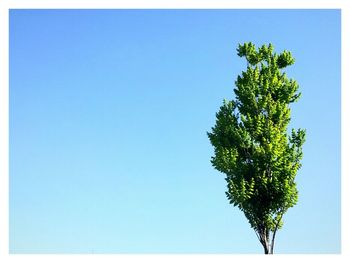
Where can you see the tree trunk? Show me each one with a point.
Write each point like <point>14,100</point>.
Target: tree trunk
<point>268,243</point>
<point>266,238</point>
<point>266,250</point>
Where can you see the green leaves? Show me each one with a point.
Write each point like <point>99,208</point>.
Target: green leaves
<point>248,50</point>
<point>298,137</point>
<point>285,59</point>
<point>251,144</point>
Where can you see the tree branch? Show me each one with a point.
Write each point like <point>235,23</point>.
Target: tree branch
<point>274,233</point>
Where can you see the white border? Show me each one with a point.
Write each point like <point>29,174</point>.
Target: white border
<point>176,4</point>
<point>5,5</point>
<point>345,131</point>
<point>4,142</point>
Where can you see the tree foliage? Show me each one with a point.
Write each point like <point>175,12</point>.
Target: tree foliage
<point>252,145</point>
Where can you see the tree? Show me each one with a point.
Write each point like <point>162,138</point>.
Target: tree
<point>252,146</point>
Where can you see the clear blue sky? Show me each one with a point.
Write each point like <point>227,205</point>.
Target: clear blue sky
<point>109,111</point>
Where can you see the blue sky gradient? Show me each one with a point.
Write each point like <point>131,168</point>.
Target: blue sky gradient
<point>109,111</point>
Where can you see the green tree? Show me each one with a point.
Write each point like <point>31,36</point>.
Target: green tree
<point>252,146</point>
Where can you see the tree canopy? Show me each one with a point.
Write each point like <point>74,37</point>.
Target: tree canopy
<point>252,146</point>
